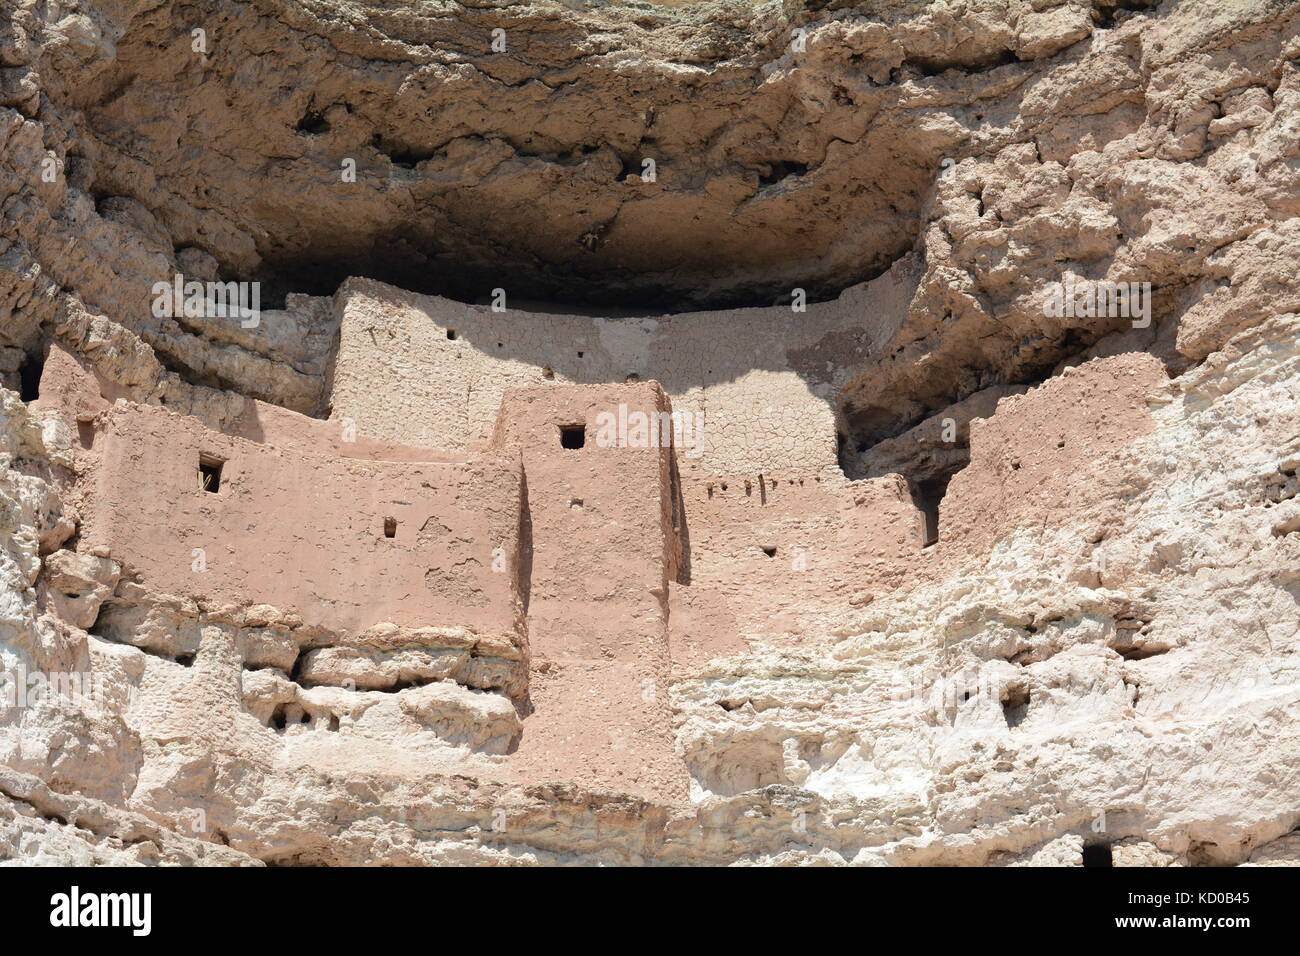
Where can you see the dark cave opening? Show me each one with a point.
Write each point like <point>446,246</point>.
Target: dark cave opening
<point>413,266</point>
<point>400,154</point>
<point>29,376</point>
<point>1108,17</point>
<point>780,170</point>
<point>313,123</point>
<point>1098,854</point>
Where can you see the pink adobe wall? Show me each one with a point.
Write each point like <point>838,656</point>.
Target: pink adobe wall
<point>649,569</point>
<point>71,386</point>
<point>616,550</point>
<point>305,532</point>
<point>831,540</point>
<point>1048,456</point>
<point>599,578</point>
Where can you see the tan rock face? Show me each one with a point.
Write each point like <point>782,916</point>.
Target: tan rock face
<point>681,433</point>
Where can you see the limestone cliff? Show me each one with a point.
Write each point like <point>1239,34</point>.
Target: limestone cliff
<point>704,433</point>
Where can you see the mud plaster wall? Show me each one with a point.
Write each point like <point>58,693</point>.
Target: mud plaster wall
<point>600,517</point>
<point>768,551</point>
<point>603,550</point>
<point>764,378</point>
<point>1039,461</point>
<point>307,532</point>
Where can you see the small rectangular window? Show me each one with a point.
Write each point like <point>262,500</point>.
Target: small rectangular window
<point>573,436</point>
<point>390,527</point>
<point>210,474</point>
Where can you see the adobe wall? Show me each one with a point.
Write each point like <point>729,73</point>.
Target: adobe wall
<point>601,517</point>
<point>762,377</point>
<point>306,532</point>
<point>78,389</point>
<point>771,553</point>
<point>603,549</point>
<point>618,562</point>
<point>1045,455</point>
<point>1039,460</point>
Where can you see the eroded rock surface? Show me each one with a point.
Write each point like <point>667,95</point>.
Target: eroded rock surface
<point>898,564</point>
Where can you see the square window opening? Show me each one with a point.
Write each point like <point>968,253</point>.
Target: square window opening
<point>573,436</point>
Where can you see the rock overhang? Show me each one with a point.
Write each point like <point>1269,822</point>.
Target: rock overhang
<point>713,155</point>
<point>1103,539</point>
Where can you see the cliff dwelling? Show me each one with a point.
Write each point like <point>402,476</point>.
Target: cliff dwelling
<point>636,433</point>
